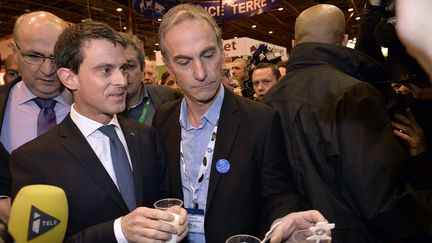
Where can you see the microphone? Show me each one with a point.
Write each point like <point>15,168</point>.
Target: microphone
<point>39,214</point>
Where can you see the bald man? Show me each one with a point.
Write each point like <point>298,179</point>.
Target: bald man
<point>21,118</point>
<point>11,69</point>
<point>345,160</point>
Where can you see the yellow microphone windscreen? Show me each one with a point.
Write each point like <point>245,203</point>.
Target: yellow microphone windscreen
<point>39,215</point>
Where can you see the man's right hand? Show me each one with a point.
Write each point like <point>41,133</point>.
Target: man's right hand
<point>146,224</point>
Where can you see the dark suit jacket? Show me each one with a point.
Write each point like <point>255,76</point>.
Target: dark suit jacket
<point>63,157</point>
<point>5,176</point>
<point>160,94</point>
<point>250,138</point>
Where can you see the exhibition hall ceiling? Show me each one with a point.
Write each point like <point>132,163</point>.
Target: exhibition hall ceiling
<point>275,26</point>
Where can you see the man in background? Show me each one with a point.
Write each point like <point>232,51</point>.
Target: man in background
<point>264,76</point>
<point>11,69</point>
<point>239,72</point>
<point>149,75</point>
<point>142,99</point>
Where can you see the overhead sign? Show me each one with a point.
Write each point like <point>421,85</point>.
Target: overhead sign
<point>230,9</point>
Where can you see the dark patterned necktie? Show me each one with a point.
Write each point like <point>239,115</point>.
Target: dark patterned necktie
<point>47,117</point>
<point>121,166</point>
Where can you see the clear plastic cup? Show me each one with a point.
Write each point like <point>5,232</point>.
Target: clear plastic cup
<point>243,239</point>
<point>165,204</point>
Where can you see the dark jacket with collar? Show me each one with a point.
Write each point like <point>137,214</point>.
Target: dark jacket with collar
<point>5,177</point>
<point>158,94</point>
<point>62,157</point>
<point>258,188</point>
<point>345,160</point>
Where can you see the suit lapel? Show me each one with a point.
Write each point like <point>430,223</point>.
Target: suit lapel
<point>157,98</point>
<point>4,96</point>
<point>174,136</point>
<point>227,131</point>
<point>130,134</point>
<point>75,143</point>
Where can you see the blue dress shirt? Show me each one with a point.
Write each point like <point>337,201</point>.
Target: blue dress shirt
<point>195,142</point>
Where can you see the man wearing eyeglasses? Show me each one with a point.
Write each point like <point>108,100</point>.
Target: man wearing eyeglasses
<point>36,101</point>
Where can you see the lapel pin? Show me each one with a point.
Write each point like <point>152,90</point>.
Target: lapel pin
<point>223,166</point>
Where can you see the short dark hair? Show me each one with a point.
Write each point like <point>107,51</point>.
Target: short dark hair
<point>137,45</point>
<point>67,50</point>
<point>273,67</point>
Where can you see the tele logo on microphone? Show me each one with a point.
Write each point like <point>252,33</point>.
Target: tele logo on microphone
<point>40,222</point>
<point>39,214</point>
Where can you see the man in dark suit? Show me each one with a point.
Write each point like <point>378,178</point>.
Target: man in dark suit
<point>142,99</point>
<point>112,169</point>
<point>34,36</point>
<point>226,157</point>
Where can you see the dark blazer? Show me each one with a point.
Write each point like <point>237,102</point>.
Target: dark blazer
<point>250,138</point>
<point>160,94</point>
<point>5,176</point>
<point>63,157</point>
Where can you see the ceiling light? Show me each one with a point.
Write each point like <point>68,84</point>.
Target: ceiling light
<point>280,9</point>
<point>156,44</point>
<point>119,9</point>
<point>125,28</point>
<point>253,26</point>
<point>350,9</point>
<point>270,32</point>
<point>357,18</point>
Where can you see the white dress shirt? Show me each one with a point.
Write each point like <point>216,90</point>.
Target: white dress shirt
<point>101,146</point>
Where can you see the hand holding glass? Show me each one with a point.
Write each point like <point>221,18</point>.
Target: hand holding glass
<point>166,205</point>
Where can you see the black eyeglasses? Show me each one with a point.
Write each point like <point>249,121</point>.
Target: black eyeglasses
<point>33,58</point>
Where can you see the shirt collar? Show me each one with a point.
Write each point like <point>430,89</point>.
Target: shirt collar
<point>88,126</point>
<point>212,114</point>
<point>24,95</point>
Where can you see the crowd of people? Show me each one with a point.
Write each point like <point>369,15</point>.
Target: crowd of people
<point>245,147</point>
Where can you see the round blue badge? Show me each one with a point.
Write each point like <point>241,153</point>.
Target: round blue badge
<point>222,166</point>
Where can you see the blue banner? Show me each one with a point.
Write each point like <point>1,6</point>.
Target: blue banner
<point>230,9</point>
